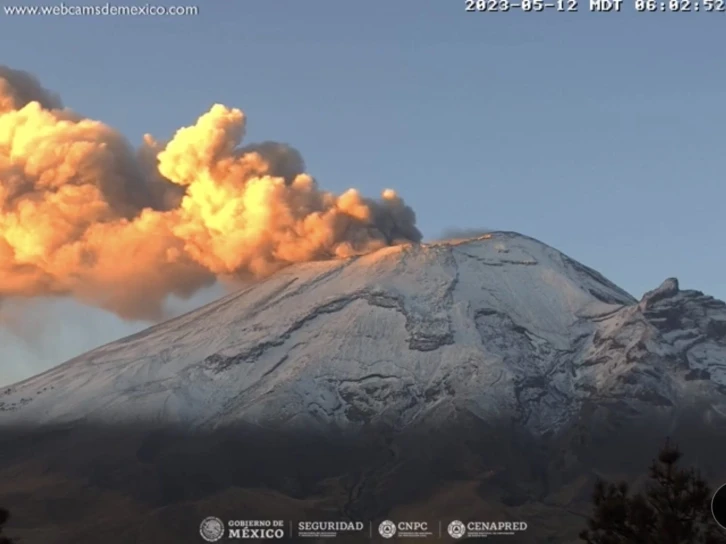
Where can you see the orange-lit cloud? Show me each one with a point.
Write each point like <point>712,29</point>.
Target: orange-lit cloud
<point>84,214</point>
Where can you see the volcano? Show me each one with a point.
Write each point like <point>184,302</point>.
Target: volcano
<point>489,378</point>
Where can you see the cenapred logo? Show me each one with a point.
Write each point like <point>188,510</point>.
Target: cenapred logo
<point>482,529</point>
<point>387,529</point>
<point>211,529</point>
<point>456,529</point>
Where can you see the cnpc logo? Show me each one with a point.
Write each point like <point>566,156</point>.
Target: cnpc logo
<point>389,529</point>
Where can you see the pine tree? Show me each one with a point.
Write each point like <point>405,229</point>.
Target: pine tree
<point>675,508</point>
<point>4,516</point>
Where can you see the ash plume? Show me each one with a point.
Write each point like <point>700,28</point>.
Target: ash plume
<point>84,214</point>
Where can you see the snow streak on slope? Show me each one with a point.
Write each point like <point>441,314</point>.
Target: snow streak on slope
<point>501,326</point>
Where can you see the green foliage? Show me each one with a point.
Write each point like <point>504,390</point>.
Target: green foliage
<point>675,508</point>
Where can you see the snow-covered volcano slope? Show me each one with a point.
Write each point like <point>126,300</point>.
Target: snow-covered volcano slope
<point>501,326</point>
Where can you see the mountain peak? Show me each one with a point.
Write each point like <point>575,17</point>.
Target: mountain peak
<point>499,325</point>
<point>667,289</point>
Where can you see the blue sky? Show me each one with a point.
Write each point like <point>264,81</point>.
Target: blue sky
<point>599,134</point>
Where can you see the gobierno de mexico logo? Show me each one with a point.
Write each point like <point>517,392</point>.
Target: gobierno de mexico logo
<point>211,529</point>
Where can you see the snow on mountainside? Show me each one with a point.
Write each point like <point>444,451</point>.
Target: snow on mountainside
<point>500,326</point>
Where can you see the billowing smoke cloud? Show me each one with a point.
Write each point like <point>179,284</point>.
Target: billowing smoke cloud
<point>84,214</point>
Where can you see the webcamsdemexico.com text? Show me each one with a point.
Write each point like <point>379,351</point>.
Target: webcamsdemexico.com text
<point>107,9</point>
